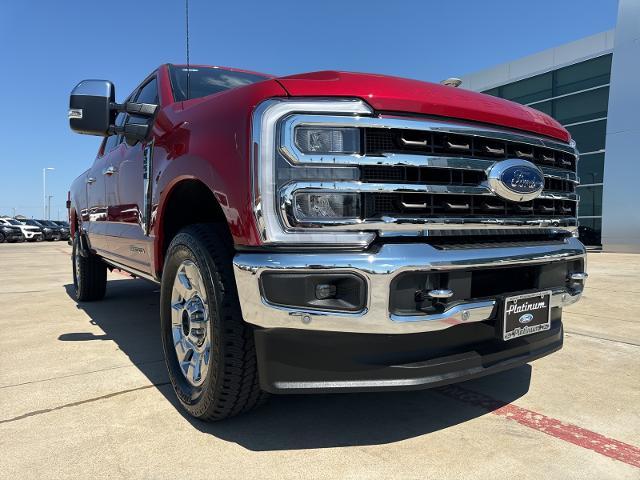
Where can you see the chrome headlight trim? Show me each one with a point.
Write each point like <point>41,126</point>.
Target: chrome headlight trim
<point>264,148</point>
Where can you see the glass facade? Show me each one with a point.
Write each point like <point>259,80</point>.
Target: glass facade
<point>577,96</point>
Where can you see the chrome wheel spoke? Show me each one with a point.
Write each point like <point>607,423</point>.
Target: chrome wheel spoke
<point>183,285</point>
<point>183,347</point>
<point>190,323</point>
<point>194,371</point>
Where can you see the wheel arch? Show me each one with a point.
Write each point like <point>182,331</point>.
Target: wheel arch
<point>187,201</point>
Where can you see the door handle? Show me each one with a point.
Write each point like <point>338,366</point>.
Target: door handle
<point>110,170</point>
<point>91,180</point>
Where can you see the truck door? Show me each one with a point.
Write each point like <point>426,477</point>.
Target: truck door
<point>95,215</point>
<point>127,189</point>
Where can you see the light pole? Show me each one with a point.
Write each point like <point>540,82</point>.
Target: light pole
<point>49,197</point>
<point>44,188</point>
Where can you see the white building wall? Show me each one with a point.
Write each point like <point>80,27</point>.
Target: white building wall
<point>621,194</point>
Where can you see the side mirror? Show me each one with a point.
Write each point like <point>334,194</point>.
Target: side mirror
<point>90,107</point>
<point>93,110</point>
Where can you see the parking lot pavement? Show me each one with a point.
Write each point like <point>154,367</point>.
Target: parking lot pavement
<point>84,394</point>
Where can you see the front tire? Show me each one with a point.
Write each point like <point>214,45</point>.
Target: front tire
<point>2,237</point>
<point>209,349</point>
<point>89,274</point>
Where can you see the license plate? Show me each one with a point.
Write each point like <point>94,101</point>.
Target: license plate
<point>526,314</point>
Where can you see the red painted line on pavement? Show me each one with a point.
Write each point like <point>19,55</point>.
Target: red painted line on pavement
<point>579,436</point>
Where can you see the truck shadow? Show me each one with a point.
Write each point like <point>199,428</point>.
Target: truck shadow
<point>128,316</point>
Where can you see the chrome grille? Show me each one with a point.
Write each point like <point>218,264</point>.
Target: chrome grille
<point>419,174</point>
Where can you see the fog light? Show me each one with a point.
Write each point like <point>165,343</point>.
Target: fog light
<point>326,206</point>
<point>324,291</point>
<point>328,140</point>
<point>315,291</point>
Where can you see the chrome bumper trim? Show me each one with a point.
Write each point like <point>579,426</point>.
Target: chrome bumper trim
<point>379,269</point>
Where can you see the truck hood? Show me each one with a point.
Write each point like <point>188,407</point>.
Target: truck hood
<point>394,94</point>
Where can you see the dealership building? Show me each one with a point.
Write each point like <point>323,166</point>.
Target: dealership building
<point>592,87</point>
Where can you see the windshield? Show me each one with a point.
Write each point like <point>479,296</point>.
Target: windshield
<point>205,81</point>
<point>33,223</point>
<point>11,221</point>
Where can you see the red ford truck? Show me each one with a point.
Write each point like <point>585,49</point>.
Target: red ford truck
<point>328,231</point>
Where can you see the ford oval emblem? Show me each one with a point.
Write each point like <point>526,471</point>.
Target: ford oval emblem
<point>526,318</point>
<point>516,180</point>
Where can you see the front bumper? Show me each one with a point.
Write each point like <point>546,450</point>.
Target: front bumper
<point>379,268</point>
<point>51,235</point>
<point>13,236</point>
<point>294,361</point>
<point>32,235</point>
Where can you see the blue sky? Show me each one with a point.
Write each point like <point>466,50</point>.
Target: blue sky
<point>46,47</point>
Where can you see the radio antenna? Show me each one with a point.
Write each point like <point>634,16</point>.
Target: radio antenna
<point>186,5</point>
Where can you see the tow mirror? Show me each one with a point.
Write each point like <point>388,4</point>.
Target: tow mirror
<point>90,109</point>
<point>93,110</point>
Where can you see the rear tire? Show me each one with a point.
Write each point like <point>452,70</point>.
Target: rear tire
<point>209,349</point>
<point>89,274</point>
<point>2,238</point>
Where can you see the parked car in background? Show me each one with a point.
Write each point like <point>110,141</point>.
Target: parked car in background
<point>10,233</point>
<point>56,229</point>
<point>31,233</point>
<point>48,233</point>
<point>64,228</point>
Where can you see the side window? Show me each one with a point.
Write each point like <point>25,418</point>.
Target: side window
<point>148,93</point>
<point>114,140</point>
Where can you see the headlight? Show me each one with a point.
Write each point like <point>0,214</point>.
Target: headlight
<point>311,207</point>
<point>302,157</point>
<point>327,140</point>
